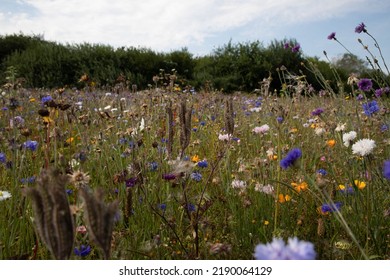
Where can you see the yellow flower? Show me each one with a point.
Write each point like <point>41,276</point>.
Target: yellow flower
<point>331,143</point>
<point>293,130</point>
<point>284,198</point>
<point>195,158</point>
<point>266,223</point>
<point>69,140</point>
<point>341,187</point>
<point>32,99</point>
<point>299,187</point>
<point>360,184</point>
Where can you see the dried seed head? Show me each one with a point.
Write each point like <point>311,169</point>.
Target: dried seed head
<point>52,215</point>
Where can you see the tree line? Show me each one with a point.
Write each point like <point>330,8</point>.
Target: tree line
<point>231,67</point>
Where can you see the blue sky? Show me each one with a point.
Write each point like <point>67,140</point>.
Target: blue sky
<point>202,25</point>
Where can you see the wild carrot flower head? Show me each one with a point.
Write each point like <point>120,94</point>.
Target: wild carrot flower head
<point>365,84</point>
<point>291,158</point>
<point>295,249</point>
<point>363,147</point>
<point>360,28</point>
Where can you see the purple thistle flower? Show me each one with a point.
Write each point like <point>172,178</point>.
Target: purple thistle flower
<point>370,108</point>
<point>386,169</point>
<point>360,28</point>
<point>83,251</point>
<point>365,84</point>
<point>332,36</point>
<point>296,48</point>
<point>325,208</point>
<point>295,249</point>
<point>317,112</point>
<point>290,158</point>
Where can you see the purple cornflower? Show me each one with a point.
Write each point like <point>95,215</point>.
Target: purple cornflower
<point>360,28</point>
<point>332,36</point>
<point>3,158</point>
<point>191,207</point>
<point>386,169</point>
<point>296,48</point>
<point>279,119</point>
<point>290,158</point>
<point>286,46</point>
<point>325,208</point>
<point>365,84</point>
<point>83,251</point>
<point>31,145</point>
<point>131,182</point>
<point>317,112</point>
<point>380,91</point>
<point>295,249</point>
<point>169,176</point>
<point>370,108</point>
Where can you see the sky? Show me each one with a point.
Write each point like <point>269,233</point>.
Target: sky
<point>201,26</point>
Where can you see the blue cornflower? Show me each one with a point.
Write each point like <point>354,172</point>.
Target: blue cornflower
<point>384,127</point>
<point>347,190</point>
<point>3,158</point>
<point>153,166</point>
<point>203,163</point>
<point>196,176</point>
<point>322,172</point>
<point>46,99</point>
<point>386,169</point>
<point>295,249</point>
<point>291,158</point>
<point>365,84</point>
<point>162,206</point>
<point>370,108</point>
<point>191,207</point>
<point>28,180</point>
<point>317,112</point>
<point>69,191</point>
<point>325,208</point>
<point>202,123</point>
<point>83,251</point>
<point>31,145</point>
<point>279,119</point>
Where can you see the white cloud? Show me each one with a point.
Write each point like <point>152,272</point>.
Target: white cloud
<point>166,25</point>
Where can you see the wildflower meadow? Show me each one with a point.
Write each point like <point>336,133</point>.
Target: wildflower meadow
<point>177,172</point>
